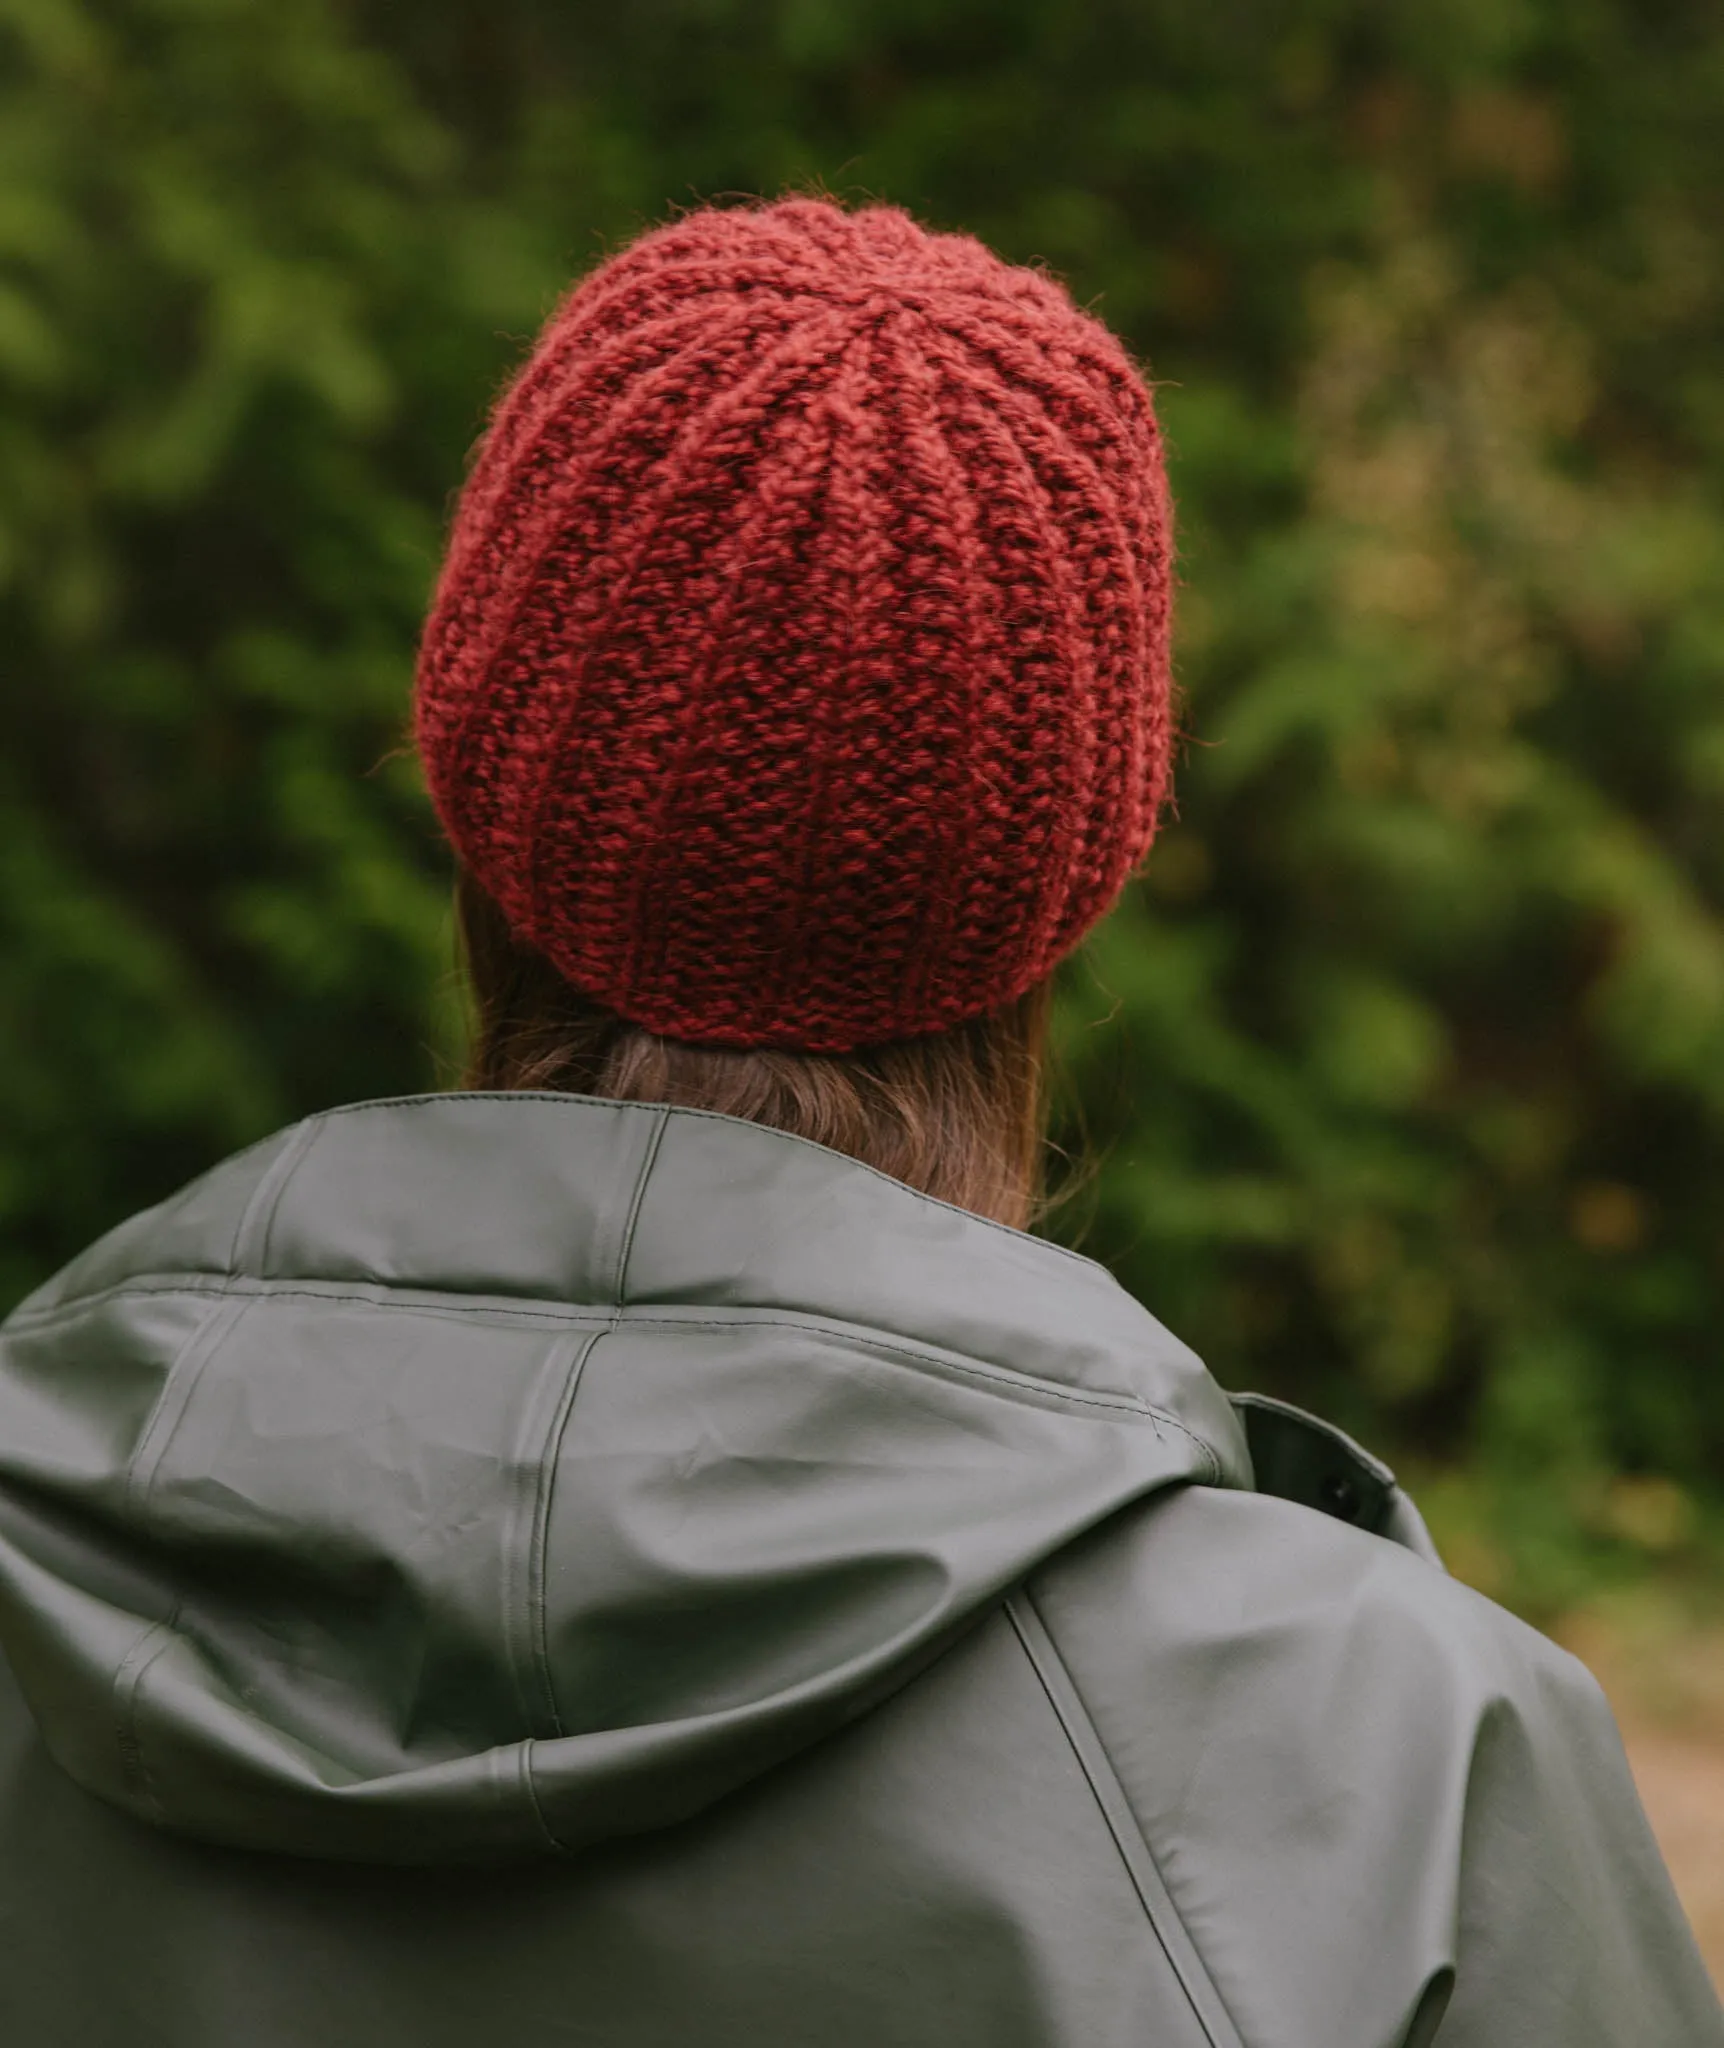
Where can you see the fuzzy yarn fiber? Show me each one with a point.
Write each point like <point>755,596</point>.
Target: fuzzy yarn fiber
<point>798,673</point>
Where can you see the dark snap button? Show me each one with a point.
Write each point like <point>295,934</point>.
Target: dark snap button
<point>1339,1496</point>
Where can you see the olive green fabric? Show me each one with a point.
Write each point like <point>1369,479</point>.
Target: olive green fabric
<point>493,1567</point>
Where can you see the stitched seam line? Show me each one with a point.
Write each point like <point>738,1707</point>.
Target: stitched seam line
<point>518,1542</point>
<point>634,1215</point>
<point>266,1196</point>
<point>524,1770</point>
<point>178,1384</point>
<point>934,1361</point>
<point>538,1624</point>
<point>292,1161</point>
<point>538,1560</point>
<point>635,1316</point>
<point>1122,1822</point>
<point>188,1363</point>
<point>1122,1405</point>
<point>418,1300</point>
<point>128,1687</point>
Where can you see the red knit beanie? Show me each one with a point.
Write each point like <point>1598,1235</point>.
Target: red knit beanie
<point>798,674</point>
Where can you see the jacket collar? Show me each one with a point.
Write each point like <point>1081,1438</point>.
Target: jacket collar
<point>573,1199</point>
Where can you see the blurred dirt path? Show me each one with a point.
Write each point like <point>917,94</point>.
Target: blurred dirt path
<point>1664,1674</point>
<point>1681,1780</point>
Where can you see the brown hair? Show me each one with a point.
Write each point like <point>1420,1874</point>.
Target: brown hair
<point>960,1114</point>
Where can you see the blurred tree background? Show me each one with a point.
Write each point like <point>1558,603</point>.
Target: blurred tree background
<point>1411,1095</point>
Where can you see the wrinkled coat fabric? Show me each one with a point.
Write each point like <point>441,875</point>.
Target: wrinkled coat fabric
<point>486,1568</point>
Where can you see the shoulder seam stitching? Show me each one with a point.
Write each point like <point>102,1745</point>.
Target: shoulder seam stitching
<point>1122,1822</point>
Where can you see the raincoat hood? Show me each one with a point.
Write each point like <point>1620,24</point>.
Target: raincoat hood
<point>486,1476</point>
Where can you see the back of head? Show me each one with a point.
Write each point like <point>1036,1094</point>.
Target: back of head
<point>796,689</point>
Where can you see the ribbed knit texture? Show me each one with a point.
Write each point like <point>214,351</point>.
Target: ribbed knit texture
<point>798,674</point>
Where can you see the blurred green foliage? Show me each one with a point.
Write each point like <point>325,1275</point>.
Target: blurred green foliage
<point>1411,1093</point>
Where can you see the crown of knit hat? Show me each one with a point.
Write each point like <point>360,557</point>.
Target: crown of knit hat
<point>798,673</point>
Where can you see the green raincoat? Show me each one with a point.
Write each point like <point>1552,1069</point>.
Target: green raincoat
<point>522,1569</point>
